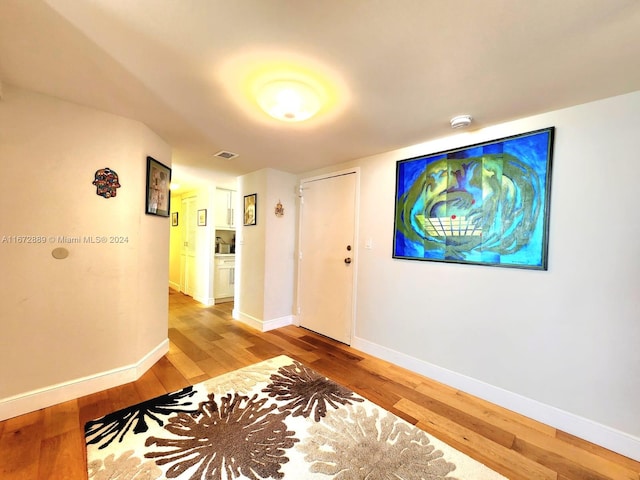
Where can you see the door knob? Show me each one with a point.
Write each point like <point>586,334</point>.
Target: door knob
<point>347,260</point>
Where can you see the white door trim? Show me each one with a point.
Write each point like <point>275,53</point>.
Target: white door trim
<point>356,243</point>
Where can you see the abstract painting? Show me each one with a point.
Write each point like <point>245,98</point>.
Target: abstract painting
<point>483,204</point>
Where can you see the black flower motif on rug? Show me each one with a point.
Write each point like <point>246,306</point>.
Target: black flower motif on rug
<point>114,425</point>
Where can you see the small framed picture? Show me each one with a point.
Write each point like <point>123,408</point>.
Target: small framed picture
<point>158,196</point>
<point>250,205</point>
<point>202,217</point>
<point>174,219</point>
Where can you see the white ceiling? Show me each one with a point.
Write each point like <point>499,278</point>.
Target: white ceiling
<point>403,68</point>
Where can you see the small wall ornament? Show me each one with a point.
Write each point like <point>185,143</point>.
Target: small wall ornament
<point>106,182</point>
<point>279,209</point>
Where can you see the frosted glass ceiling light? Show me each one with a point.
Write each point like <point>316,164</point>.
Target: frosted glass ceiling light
<point>289,100</point>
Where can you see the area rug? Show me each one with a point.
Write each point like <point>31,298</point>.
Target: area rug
<point>276,419</point>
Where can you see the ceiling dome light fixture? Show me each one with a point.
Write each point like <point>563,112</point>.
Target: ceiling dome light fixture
<point>461,121</point>
<point>289,100</point>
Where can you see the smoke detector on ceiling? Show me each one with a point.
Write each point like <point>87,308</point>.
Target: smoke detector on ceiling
<point>461,121</point>
<point>226,155</point>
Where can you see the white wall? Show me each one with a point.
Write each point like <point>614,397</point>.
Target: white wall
<point>205,248</point>
<point>265,252</point>
<point>250,251</point>
<point>562,345</point>
<point>279,244</point>
<point>99,317</point>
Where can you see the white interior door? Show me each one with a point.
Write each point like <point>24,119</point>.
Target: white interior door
<point>327,255</point>
<point>188,252</point>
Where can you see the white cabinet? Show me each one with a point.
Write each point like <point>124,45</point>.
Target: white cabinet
<point>225,208</point>
<point>225,277</point>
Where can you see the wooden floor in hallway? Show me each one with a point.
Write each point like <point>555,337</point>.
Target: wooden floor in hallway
<point>206,342</point>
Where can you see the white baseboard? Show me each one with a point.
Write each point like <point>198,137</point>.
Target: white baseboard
<point>175,286</point>
<point>62,392</point>
<point>146,362</point>
<point>262,325</point>
<point>206,301</point>
<point>607,437</point>
<point>223,300</point>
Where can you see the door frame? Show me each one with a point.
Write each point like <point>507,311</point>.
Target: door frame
<point>356,249</point>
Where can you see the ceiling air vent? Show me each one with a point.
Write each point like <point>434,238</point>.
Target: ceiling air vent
<point>226,155</point>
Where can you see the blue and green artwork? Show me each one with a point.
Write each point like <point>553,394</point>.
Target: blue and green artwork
<point>485,204</point>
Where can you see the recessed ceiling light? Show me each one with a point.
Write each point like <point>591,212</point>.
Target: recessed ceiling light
<point>289,100</point>
<point>461,121</point>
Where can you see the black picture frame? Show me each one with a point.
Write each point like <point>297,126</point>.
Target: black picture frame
<point>250,209</point>
<point>483,204</point>
<point>202,217</point>
<point>174,219</point>
<point>158,194</point>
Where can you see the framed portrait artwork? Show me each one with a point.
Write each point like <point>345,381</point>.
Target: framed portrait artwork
<point>158,199</point>
<point>202,217</point>
<point>250,209</point>
<point>484,204</point>
<point>174,219</point>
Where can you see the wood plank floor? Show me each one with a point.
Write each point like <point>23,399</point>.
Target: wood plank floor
<point>205,342</point>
